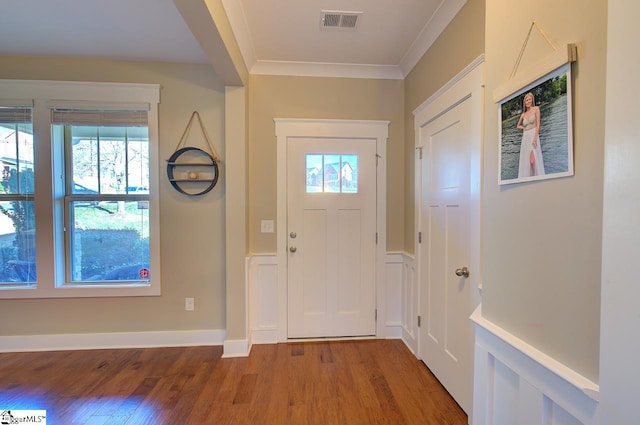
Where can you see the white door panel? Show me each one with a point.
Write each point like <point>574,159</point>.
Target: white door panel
<point>444,220</point>
<point>331,238</point>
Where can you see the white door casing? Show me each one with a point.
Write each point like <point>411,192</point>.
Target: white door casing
<point>331,231</point>
<point>291,129</point>
<point>448,184</point>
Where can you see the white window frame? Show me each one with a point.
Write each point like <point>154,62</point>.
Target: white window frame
<point>50,257</point>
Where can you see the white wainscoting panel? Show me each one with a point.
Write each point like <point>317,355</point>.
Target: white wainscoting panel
<point>409,303</point>
<point>394,270</point>
<point>516,384</point>
<point>263,299</point>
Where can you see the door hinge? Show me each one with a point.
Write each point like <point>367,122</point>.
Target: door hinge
<point>375,315</point>
<point>376,238</point>
<point>377,158</point>
<point>419,320</point>
<point>419,149</point>
<point>419,237</point>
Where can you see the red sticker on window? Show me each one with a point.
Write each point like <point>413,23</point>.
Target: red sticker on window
<point>143,273</point>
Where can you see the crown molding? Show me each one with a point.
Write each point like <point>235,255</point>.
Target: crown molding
<point>430,32</point>
<point>318,69</point>
<point>240,26</point>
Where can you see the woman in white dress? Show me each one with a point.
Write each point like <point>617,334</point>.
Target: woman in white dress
<point>531,162</point>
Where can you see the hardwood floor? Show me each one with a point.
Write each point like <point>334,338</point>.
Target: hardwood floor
<point>345,382</point>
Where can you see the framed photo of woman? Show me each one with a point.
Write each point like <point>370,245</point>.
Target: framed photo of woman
<point>536,138</point>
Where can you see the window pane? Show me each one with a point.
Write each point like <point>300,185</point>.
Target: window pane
<point>17,242</point>
<point>113,170</point>
<point>16,154</point>
<point>110,160</point>
<point>84,159</point>
<point>110,241</point>
<point>332,173</point>
<point>17,216</point>
<point>113,160</point>
<point>349,173</point>
<point>138,165</point>
<point>314,173</point>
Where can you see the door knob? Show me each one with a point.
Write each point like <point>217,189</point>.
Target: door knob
<point>462,272</point>
<point>293,235</point>
<point>293,248</point>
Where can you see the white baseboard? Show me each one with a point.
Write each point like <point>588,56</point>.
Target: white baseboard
<point>410,348</point>
<point>514,383</point>
<point>393,330</point>
<point>236,348</point>
<point>111,340</point>
<point>264,336</point>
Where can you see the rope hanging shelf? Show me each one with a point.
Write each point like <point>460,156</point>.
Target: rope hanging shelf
<point>191,170</point>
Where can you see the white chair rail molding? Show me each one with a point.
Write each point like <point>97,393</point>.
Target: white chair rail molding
<point>516,384</point>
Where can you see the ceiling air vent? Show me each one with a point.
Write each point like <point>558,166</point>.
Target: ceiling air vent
<point>331,19</point>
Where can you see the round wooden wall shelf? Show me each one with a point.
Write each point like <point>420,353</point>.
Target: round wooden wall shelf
<point>185,177</point>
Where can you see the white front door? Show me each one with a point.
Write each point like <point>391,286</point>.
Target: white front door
<point>331,237</point>
<point>448,250</point>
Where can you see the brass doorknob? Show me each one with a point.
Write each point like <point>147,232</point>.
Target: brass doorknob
<point>462,272</point>
<point>293,248</point>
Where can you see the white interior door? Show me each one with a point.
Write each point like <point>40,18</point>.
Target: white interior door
<point>331,237</point>
<point>445,249</point>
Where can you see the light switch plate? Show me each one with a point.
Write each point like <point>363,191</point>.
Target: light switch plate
<point>266,226</point>
<point>189,304</point>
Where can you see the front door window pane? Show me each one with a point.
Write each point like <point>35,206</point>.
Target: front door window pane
<point>314,173</point>
<point>332,173</point>
<point>349,173</point>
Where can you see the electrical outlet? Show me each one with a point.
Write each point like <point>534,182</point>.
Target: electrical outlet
<point>189,304</point>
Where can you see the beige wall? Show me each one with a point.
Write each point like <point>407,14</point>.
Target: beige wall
<point>460,43</point>
<point>310,97</point>
<point>542,240</point>
<point>192,228</point>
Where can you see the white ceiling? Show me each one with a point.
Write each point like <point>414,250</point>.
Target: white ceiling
<point>275,36</point>
<point>112,29</point>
